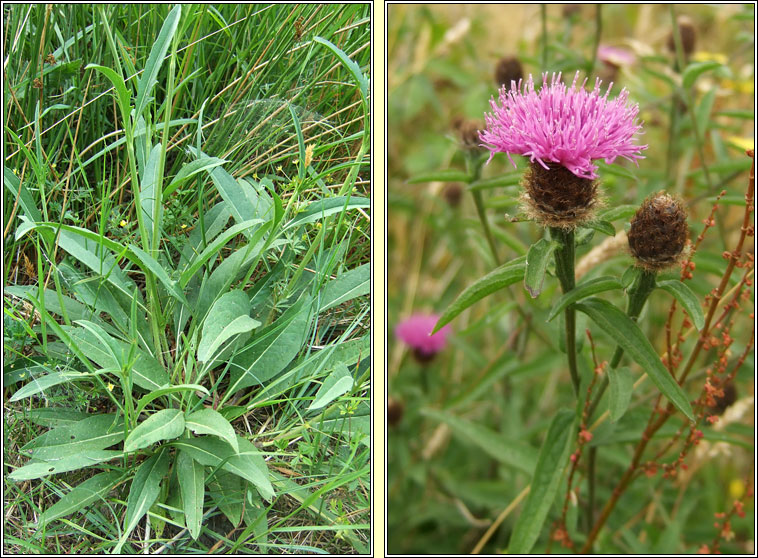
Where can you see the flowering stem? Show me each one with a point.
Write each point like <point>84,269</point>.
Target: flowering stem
<point>598,33</point>
<point>564,269</point>
<point>543,15</point>
<point>638,295</point>
<point>474,168</point>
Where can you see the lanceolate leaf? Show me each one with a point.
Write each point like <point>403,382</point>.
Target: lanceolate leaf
<point>143,492</point>
<point>249,464</point>
<point>166,424</point>
<point>620,393</point>
<point>349,64</point>
<point>509,452</point>
<point>323,208</point>
<point>93,433</point>
<point>229,316</point>
<point>536,265</point>
<point>349,285</point>
<point>547,477</point>
<point>272,348</point>
<point>694,70</point>
<point>54,465</point>
<point>445,175</point>
<point>628,335</point>
<point>155,60</point>
<point>37,385</point>
<point>191,475</point>
<point>339,382</point>
<point>146,372</point>
<point>92,490</point>
<point>687,299</point>
<point>505,275</point>
<point>604,227</point>
<point>228,493</point>
<point>208,421</point>
<point>583,290</point>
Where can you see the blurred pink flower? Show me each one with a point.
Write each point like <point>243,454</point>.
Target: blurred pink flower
<point>415,331</point>
<point>568,126</point>
<point>615,56</point>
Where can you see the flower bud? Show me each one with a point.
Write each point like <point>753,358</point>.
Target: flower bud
<point>556,197</point>
<point>508,69</point>
<point>452,194</point>
<point>658,232</point>
<point>571,10</point>
<point>468,132</point>
<point>395,410</point>
<point>725,401</point>
<point>687,33</point>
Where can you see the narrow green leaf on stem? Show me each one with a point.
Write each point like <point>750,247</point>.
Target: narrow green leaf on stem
<point>628,335</point>
<point>536,264</point>
<point>505,275</point>
<point>191,476</point>
<point>695,70</point>
<point>621,383</point>
<point>91,490</point>
<point>583,290</point>
<point>143,492</point>
<point>545,482</point>
<point>604,227</point>
<point>687,299</point>
<point>511,453</point>
<point>444,175</point>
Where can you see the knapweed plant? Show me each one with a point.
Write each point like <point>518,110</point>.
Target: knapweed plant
<point>594,394</point>
<point>200,383</point>
<point>563,130</point>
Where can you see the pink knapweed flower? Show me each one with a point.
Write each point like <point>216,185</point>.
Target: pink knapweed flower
<point>415,331</point>
<point>567,126</point>
<point>615,56</point>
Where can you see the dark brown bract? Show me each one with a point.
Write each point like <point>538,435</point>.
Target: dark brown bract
<point>508,69</point>
<point>658,232</point>
<point>556,197</point>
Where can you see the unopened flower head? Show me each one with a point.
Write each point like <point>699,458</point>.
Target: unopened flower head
<point>415,332</point>
<point>658,232</point>
<point>468,133</point>
<point>687,34</point>
<point>569,126</point>
<point>507,71</point>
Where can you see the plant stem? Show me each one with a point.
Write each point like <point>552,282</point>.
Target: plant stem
<point>543,15</point>
<point>598,33</point>
<point>638,295</point>
<point>474,169</point>
<point>564,269</point>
